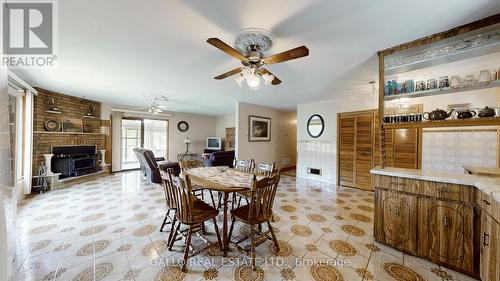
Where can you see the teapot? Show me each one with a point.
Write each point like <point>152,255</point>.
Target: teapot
<point>466,114</point>
<point>437,114</point>
<point>487,112</point>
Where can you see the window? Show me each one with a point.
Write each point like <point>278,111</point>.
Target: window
<point>148,133</point>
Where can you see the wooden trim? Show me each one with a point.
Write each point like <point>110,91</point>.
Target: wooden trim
<point>338,148</point>
<point>493,121</point>
<point>494,19</point>
<point>289,168</point>
<point>498,148</point>
<point>420,137</point>
<point>365,111</point>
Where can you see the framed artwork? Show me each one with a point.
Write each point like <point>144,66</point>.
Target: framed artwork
<point>72,125</point>
<point>259,128</point>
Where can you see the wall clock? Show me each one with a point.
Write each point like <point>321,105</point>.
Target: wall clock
<point>183,126</point>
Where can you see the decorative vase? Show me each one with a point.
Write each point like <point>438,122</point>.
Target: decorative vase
<point>48,163</point>
<point>103,157</point>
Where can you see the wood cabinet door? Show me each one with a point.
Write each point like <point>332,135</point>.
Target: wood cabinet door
<point>490,248</point>
<point>446,233</point>
<point>364,151</point>
<point>405,148</point>
<point>395,223</point>
<point>347,141</point>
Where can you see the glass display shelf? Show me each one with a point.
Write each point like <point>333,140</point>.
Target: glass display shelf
<point>447,90</point>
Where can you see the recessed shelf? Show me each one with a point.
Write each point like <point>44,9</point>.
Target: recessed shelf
<point>65,133</point>
<point>53,111</point>
<point>433,92</point>
<point>445,123</point>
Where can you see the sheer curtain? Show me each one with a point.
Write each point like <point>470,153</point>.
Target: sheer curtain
<point>116,128</point>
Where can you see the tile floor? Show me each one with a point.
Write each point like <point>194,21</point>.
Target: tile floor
<point>108,229</point>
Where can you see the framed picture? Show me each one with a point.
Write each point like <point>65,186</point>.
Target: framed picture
<point>72,125</point>
<point>259,128</point>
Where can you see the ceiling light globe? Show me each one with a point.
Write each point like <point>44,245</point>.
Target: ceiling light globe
<point>253,82</point>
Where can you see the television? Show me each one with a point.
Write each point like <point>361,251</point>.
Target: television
<point>213,143</point>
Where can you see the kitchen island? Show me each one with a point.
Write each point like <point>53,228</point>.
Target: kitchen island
<point>452,220</point>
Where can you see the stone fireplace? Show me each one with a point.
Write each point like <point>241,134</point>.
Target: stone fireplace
<point>75,151</point>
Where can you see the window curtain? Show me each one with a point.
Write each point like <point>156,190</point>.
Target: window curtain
<point>116,141</point>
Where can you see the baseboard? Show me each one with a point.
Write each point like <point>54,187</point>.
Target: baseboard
<point>289,168</point>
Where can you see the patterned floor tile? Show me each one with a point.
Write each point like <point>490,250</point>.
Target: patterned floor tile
<point>108,229</point>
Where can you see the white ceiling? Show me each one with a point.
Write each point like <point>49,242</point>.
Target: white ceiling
<point>116,51</point>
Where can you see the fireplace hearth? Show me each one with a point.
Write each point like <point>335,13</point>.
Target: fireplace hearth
<point>74,161</point>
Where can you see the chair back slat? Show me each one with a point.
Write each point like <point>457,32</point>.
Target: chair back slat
<point>167,177</point>
<point>244,165</point>
<point>184,199</point>
<point>265,169</point>
<point>262,197</point>
<point>190,164</point>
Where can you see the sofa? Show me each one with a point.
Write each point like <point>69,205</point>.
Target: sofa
<point>151,165</point>
<point>220,158</point>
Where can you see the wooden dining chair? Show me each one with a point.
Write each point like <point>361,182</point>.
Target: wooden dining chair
<point>168,190</point>
<point>193,214</point>
<point>265,169</point>
<point>258,211</point>
<point>197,190</point>
<point>244,165</point>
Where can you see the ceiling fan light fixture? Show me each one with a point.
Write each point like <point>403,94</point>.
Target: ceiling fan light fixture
<point>253,82</point>
<point>268,79</point>
<point>239,79</point>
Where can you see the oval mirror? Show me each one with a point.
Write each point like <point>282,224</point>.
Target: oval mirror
<point>315,126</point>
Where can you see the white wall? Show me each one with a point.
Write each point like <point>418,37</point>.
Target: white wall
<point>282,147</point>
<point>223,122</point>
<point>321,152</point>
<point>200,127</point>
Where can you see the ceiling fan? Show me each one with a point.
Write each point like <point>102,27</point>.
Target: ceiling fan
<point>156,108</point>
<point>250,46</point>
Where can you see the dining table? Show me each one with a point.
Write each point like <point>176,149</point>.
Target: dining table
<point>225,180</point>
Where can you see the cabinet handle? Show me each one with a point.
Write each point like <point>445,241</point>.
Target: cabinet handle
<point>445,221</point>
<point>486,239</point>
<point>395,210</point>
<point>486,202</point>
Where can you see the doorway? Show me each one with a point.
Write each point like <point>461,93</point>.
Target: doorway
<point>147,133</point>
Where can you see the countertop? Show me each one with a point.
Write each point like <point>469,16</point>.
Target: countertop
<point>482,170</point>
<point>488,185</point>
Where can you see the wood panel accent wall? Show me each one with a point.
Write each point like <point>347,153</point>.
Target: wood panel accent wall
<point>71,107</point>
<point>358,146</point>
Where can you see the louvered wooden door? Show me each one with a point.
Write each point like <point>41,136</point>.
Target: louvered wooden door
<point>347,141</point>
<point>356,141</point>
<point>364,150</point>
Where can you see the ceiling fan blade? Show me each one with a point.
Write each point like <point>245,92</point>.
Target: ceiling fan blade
<point>276,80</point>
<point>292,54</point>
<point>216,42</point>
<point>229,73</point>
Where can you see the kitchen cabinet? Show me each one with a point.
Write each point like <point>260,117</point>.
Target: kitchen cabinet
<point>432,220</point>
<point>397,215</point>
<point>490,248</point>
<point>446,233</point>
